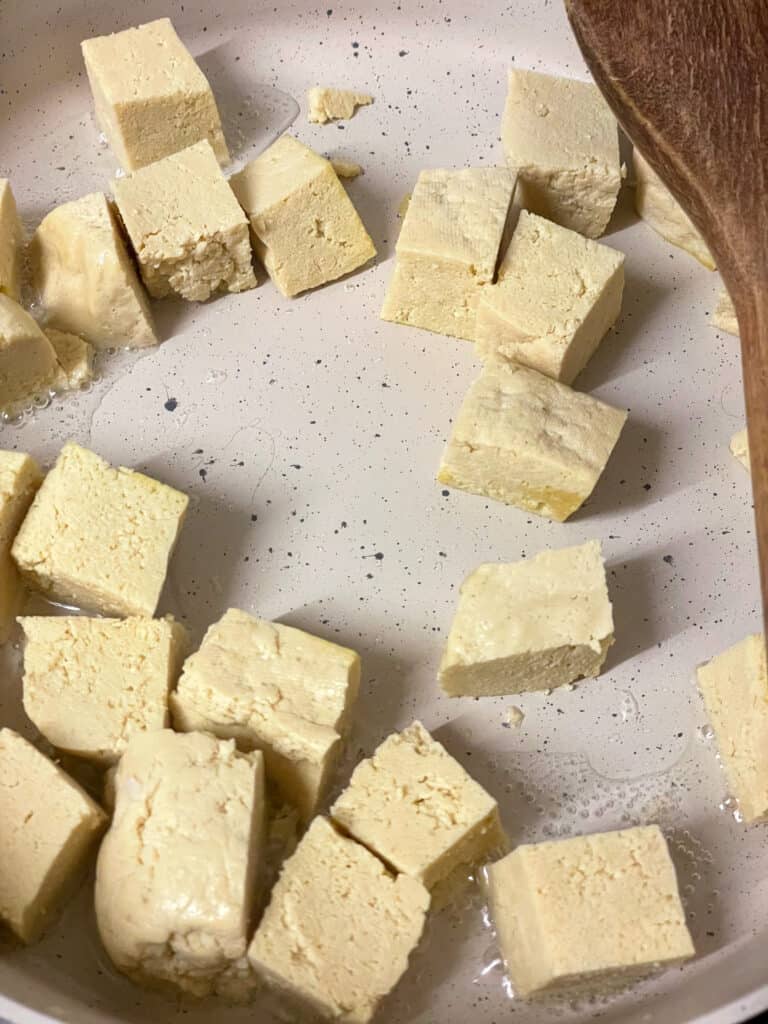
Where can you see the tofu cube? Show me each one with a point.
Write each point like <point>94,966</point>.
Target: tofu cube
<point>98,537</point>
<point>187,229</point>
<point>339,927</point>
<point>448,249</point>
<point>10,243</point>
<point>740,448</point>
<point>724,316</point>
<point>150,97</point>
<point>305,229</point>
<point>556,297</point>
<point>734,686</point>
<point>529,441</point>
<point>176,874</point>
<point>49,827</point>
<point>20,477</point>
<point>334,104</point>
<point>75,359</point>
<point>85,278</point>
<point>415,806</point>
<point>92,684</point>
<point>28,366</point>
<point>275,689</point>
<point>532,625</point>
<point>573,913</point>
<point>561,137</point>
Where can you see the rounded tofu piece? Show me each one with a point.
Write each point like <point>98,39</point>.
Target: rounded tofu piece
<point>10,243</point>
<point>28,364</point>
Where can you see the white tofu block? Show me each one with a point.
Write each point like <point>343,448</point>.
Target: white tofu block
<point>150,97</point>
<point>414,806</point>
<point>574,914</point>
<point>20,477</point>
<point>92,684</point>
<point>28,364</point>
<point>339,928</point>
<point>177,871</point>
<point>334,104</point>
<point>734,686</point>
<point>275,689</point>
<point>448,249</point>
<point>529,441</point>
<point>99,538</point>
<point>190,236</point>
<point>561,137</point>
<point>85,278</point>
<point>556,297</point>
<point>532,625</point>
<point>75,359</point>
<point>305,229</point>
<point>740,448</point>
<point>724,316</point>
<point>10,243</point>
<point>49,826</point>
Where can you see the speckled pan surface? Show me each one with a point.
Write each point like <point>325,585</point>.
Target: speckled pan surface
<point>308,433</point>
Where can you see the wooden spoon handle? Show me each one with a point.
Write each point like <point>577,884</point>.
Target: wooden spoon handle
<point>752,310</point>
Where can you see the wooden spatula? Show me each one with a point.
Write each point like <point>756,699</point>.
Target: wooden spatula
<point>688,82</point>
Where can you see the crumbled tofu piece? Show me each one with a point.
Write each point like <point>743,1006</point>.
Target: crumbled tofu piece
<point>49,827</point>
<point>529,441</point>
<point>339,927</point>
<point>28,364</point>
<point>10,243</point>
<point>418,809</point>
<point>20,477</point>
<point>98,537</point>
<point>515,717</point>
<point>557,296</point>
<point>276,689</point>
<point>659,208</point>
<point>724,316</point>
<point>572,913</point>
<point>561,137</point>
<point>305,229</point>
<point>190,236</point>
<point>91,684</point>
<point>448,249</point>
<point>334,104</point>
<point>150,97</point>
<point>734,686</point>
<point>85,278</point>
<point>531,625</point>
<point>75,359</point>
<point>177,871</point>
<point>740,448</point>
<point>346,168</point>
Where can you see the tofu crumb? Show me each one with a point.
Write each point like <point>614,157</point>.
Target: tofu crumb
<point>346,168</point>
<point>515,716</point>
<point>334,104</point>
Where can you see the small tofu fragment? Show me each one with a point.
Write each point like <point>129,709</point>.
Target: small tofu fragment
<point>177,871</point>
<point>20,477</point>
<point>85,278</point>
<point>92,684</point>
<point>561,137</point>
<point>346,168</point>
<point>448,249</point>
<point>49,827</point>
<point>10,243</point>
<point>734,686</point>
<point>529,441</point>
<point>99,538</point>
<point>334,104</point>
<point>724,316</point>
<point>75,359</point>
<point>556,297</point>
<point>418,809</point>
<point>28,364</point>
<point>190,236</point>
<point>339,927</point>
<point>150,97</point>
<point>573,914</point>
<point>532,625</point>
<point>740,448</point>
<point>305,229</point>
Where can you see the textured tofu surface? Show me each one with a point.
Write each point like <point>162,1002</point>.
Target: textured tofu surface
<point>334,104</point>
<point>339,927</point>
<point>28,364</point>
<point>724,316</point>
<point>176,873</point>
<point>531,625</point>
<point>10,243</point>
<point>49,825</point>
<point>75,359</point>
<point>739,446</point>
<point>572,912</point>
<point>99,537</point>
<point>20,476</point>
<point>418,809</point>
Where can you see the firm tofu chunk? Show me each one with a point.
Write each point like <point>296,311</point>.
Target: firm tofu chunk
<point>75,359</point>
<point>448,249</point>
<point>190,236</point>
<point>561,137</point>
<point>276,689</point>
<point>49,826</point>
<point>20,477</point>
<point>305,229</point>
<point>734,686</point>
<point>28,365</point>
<point>556,297</point>
<point>150,97</point>
<point>529,441</point>
<point>334,104</point>
<point>532,625</point>
<point>98,537</point>
<point>85,278</point>
<point>92,684</point>
<point>573,914</point>
<point>740,448</point>
<point>418,809</point>
<point>10,243</point>
<point>339,927</point>
<point>177,871</point>
<point>724,316</point>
